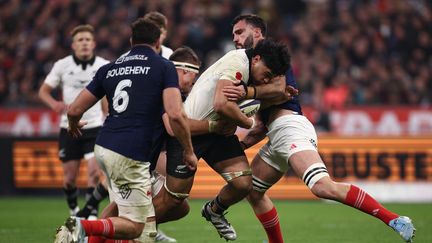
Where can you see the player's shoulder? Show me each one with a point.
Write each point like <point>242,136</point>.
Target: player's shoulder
<point>100,60</point>
<point>238,53</point>
<point>166,51</point>
<point>65,61</point>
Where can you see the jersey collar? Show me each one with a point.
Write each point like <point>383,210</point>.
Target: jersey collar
<point>82,62</point>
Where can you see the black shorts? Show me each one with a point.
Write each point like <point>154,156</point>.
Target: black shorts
<point>212,148</point>
<point>75,148</point>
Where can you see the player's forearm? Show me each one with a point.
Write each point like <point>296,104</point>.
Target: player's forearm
<point>275,89</point>
<point>180,128</point>
<point>231,111</point>
<point>45,96</point>
<point>198,127</point>
<point>254,135</point>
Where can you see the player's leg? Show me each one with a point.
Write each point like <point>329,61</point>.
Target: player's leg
<point>301,152</point>
<point>70,155</point>
<point>306,163</point>
<point>131,186</point>
<point>96,191</point>
<point>227,158</point>
<point>265,175</point>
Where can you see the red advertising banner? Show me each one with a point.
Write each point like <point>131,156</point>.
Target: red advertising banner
<point>356,121</point>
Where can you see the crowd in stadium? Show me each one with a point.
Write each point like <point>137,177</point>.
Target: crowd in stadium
<point>344,52</point>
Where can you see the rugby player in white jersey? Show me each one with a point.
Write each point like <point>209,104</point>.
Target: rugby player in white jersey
<point>72,74</point>
<point>223,153</point>
<point>293,144</point>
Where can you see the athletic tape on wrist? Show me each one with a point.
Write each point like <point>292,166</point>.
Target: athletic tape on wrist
<point>212,126</point>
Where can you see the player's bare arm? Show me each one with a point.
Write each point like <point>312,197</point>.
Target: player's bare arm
<point>45,95</point>
<point>254,135</point>
<point>229,109</point>
<point>81,104</point>
<point>200,127</point>
<point>179,125</point>
<point>275,92</point>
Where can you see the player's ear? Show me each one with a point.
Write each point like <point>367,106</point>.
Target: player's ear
<point>257,33</point>
<point>130,41</point>
<point>256,59</point>
<point>157,45</point>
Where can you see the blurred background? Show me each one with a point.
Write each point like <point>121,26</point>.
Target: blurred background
<point>364,70</point>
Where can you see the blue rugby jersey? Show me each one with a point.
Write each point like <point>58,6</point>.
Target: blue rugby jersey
<point>292,104</point>
<point>133,85</point>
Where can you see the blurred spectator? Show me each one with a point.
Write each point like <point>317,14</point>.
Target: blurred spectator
<point>345,52</point>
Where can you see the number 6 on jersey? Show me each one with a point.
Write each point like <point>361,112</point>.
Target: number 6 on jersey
<point>121,95</point>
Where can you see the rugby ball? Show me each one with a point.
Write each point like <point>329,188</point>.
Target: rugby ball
<point>249,107</point>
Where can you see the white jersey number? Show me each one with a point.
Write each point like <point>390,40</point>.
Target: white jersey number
<point>121,95</point>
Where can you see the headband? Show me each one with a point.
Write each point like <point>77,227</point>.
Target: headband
<point>187,66</point>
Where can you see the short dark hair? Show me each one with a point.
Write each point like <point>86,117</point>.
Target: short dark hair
<point>185,54</point>
<point>82,28</point>
<point>275,55</point>
<point>144,32</point>
<point>252,19</point>
<point>159,19</point>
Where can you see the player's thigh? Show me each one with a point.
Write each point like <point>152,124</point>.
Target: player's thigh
<point>226,155</point>
<point>235,164</point>
<point>161,163</point>
<point>265,172</point>
<point>179,185</point>
<point>71,168</point>
<point>302,160</point>
<point>293,139</point>
<point>130,184</point>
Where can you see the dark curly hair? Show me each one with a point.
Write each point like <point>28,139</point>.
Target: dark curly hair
<point>275,55</point>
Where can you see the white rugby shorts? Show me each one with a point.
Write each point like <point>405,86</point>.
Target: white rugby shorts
<point>288,135</point>
<point>129,184</point>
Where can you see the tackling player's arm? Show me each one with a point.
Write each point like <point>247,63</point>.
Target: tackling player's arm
<point>273,93</point>
<point>198,127</point>
<point>229,109</point>
<point>178,122</point>
<point>254,135</point>
<point>81,104</point>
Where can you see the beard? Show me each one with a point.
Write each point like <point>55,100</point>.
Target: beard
<point>248,43</point>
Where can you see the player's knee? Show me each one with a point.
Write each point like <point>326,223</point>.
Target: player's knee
<point>136,230</point>
<point>148,233</point>
<point>94,175</point>
<point>242,185</point>
<point>69,184</point>
<point>254,196</point>
<point>325,189</point>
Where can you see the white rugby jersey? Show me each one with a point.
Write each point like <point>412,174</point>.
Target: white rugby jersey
<point>232,66</point>
<point>72,79</point>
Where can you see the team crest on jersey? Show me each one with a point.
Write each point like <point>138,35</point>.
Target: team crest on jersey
<point>125,191</point>
<point>238,76</point>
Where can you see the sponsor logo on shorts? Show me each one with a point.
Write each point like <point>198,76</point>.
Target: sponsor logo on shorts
<point>181,169</point>
<point>313,142</point>
<point>125,191</point>
<point>61,153</point>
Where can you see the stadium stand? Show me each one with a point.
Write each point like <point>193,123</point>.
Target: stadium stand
<point>344,52</point>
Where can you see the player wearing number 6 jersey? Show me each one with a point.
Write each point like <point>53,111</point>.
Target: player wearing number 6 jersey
<point>138,87</point>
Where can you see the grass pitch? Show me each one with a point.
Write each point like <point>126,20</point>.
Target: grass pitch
<point>30,219</point>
